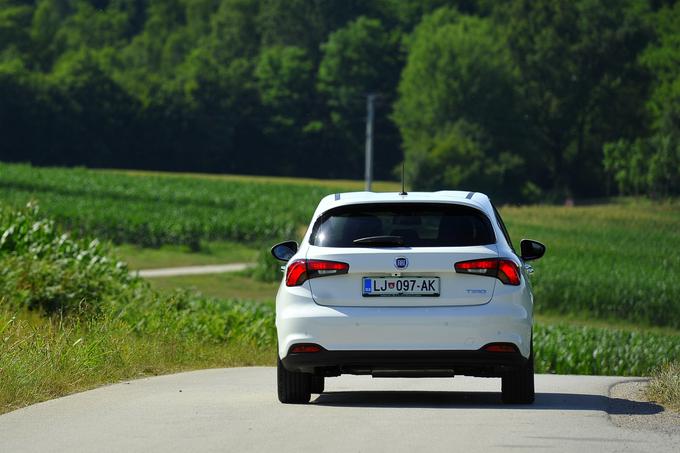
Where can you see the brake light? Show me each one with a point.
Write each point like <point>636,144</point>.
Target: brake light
<point>300,271</point>
<point>501,268</point>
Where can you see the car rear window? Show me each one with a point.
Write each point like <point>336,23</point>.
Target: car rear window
<point>418,224</point>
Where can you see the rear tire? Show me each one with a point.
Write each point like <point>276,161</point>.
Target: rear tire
<point>293,387</point>
<point>318,384</point>
<point>518,385</point>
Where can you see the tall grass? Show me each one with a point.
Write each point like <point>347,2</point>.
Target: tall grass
<point>43,358</point>
<point>665,385</point>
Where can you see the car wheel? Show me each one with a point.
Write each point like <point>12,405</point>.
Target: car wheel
<point>518,385</point>
<point>318,384</point>
<point>293,387</point>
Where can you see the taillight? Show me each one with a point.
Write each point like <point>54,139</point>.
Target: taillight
<point>508,272</point>
<point>296,274</point>
<point>300,271</point>
<point>503,269</point>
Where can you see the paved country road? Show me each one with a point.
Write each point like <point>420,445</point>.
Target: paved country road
<point>236,410</point>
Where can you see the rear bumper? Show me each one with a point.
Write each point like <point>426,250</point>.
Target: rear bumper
<point>444,330</point>
<point>404,363</point>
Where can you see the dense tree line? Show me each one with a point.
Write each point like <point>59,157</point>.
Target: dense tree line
<point>526,99</point>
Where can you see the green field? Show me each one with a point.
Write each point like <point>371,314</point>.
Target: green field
<point>154,210</point>
<point>613,261</point>
<point>223,286</point>
<point>607,291</point>
<point>217,252</point>
<point>610,261</point>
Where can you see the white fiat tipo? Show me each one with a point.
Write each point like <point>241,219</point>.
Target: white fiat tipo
<point>405,285</point>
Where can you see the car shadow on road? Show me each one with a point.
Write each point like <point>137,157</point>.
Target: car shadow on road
<point>484,400</point>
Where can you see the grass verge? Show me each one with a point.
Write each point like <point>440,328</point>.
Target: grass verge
<point>44,358</point>
<point>224,286</point>
<point>664,387</point>
<point>71,318</point>
<point>218,252</point>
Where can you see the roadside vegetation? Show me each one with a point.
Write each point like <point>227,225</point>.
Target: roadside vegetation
<point>72,317</point>
<point>603,260</point>
<point>665,386</point>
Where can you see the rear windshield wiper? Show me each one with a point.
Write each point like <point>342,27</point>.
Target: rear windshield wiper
<point>380,240</point>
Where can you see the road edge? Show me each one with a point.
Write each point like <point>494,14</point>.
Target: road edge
<point>630,408</point>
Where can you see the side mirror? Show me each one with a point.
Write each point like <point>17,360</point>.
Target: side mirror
<point>531,250</point>
<point>284,251</point>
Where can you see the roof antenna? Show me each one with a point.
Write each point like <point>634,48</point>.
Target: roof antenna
<point>403,191</point>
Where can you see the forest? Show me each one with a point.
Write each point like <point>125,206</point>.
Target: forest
<point>527,100</point>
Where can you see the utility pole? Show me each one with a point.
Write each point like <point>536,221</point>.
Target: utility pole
<point>370,114</point>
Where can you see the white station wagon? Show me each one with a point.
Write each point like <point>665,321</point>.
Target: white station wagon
<point>405,285</point>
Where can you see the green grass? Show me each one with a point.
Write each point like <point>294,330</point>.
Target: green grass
<point>223,286</point>
<point>664,387</point>
<point>583,320</point>
<point>344,184</point>
<point>43,358</point>
<point>218,252</point>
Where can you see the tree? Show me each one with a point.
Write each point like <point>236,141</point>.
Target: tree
<point>456,105</point>
<point>284,76</point>
<point>15,19</point>
<point>579,82</point>
<point>284,80</point>
<point>305,23</point>
<point>650,164</point>
<point>360,58</point>
<point>234,32</point>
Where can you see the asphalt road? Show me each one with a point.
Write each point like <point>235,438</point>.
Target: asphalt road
<point>236,410</point>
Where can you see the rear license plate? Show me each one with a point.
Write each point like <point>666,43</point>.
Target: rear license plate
<point>400,286</point>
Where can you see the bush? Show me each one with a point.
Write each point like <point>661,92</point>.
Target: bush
<point>43,269</point>
<point>648,166</point>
